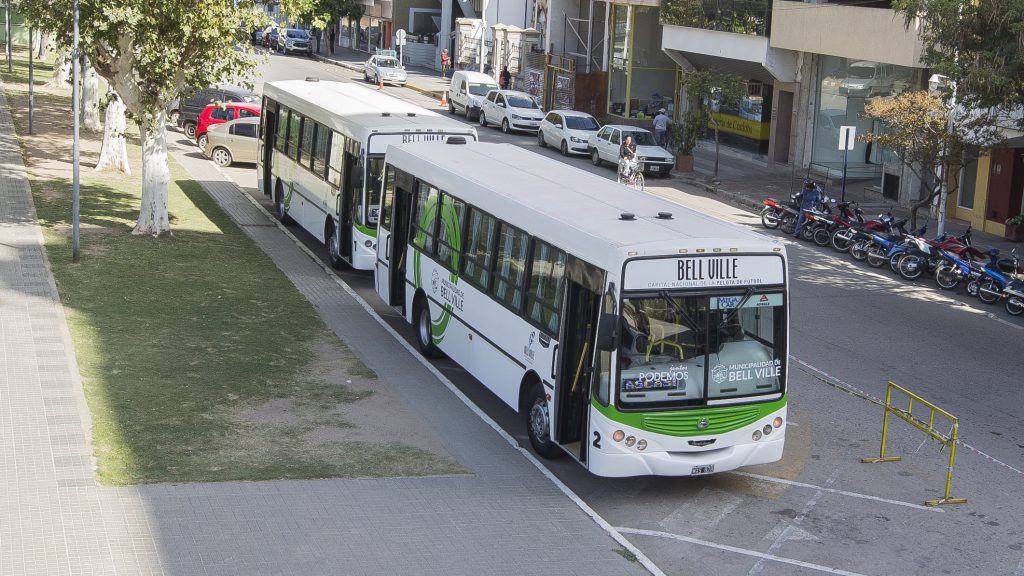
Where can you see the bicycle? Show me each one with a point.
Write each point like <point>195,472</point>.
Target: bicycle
<point>636,176</point>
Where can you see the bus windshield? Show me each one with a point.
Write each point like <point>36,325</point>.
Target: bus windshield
<point>680,350</point>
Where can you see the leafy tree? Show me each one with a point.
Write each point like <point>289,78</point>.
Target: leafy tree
<point>705,88</point>
<point>930,138</point>
<point>148,51</point>
<point>978,45</point>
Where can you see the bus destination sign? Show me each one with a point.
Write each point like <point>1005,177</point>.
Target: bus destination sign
<point>703,272</point>
<point>379,142</point>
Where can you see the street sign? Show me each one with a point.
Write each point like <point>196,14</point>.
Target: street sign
<point>847,137</point>
<point>400,37</point>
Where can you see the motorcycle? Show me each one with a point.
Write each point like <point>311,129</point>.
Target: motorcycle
<point>997,275</point>
<point>1014,293</point>
<point>847,231</point>
<point>774,211</point>
<point>925,256</point>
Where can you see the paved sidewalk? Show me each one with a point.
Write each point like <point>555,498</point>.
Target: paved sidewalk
<point>504,517</point>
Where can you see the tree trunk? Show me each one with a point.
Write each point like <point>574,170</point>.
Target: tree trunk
<point>114,152</point>
<point>90,97</point>
<point>43,42</point>
<point>156,176</point>
<point>61,71</point>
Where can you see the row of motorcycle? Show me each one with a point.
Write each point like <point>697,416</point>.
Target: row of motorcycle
<point>951,260</point>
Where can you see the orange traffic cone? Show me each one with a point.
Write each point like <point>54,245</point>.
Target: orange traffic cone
<point>380,83</point>
<point>444,99</point>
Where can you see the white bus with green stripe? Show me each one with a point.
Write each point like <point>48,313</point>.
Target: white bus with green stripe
<point>638,336</point>
<point>321,154</point>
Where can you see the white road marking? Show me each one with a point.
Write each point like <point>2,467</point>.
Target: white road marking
<point>836,491</point>
<point>792,526</point>
<point>744,551</point>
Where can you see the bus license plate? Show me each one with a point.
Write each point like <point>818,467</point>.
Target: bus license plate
<point>708,469</point>
<point>655,168</point>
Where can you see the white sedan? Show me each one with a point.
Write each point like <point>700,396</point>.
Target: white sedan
<point>569,130</point>
<point>384,68</point>
<point>511,110</point>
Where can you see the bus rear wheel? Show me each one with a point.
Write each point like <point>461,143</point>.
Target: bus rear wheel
<point>334,249</point>
<point>424,329</point>
<point>538,422</point>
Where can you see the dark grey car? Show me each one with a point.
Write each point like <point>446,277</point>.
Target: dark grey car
<point>193,103</point>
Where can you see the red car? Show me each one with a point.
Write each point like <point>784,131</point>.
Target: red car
<point>221,113</point>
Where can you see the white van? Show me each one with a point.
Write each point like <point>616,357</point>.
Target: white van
<point>467,92</point>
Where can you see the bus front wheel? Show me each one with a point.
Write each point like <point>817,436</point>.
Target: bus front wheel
<point>424,329</point>
<point>538,422</point>
<point>279,206</point>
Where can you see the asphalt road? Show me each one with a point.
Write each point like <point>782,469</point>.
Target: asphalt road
<point>819,510</point>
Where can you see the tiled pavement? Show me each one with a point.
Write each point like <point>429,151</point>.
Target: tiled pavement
<point>504,517</point>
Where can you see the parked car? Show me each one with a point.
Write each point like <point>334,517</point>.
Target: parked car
<point>604,147</point>
<point>256,36</point>
<point>187,114</point>
<point>467,92</point>
<point>233,141</point>
<point>569,130</point>
<point>221,113</point>
<point>386,68</point>
<point>512,110</point>
<point>295,40</point>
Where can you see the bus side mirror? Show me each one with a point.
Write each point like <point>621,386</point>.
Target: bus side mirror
<point>607,332</point>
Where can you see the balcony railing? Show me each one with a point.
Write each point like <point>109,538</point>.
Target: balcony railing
<point>736,16</point>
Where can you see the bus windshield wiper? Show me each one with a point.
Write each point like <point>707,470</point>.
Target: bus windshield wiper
<point>731,315</point>
<point>679,310</point>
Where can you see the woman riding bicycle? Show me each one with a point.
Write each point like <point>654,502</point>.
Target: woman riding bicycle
<point>627,157</point>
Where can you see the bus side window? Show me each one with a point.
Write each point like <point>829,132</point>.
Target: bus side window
<point>544,299</point>
<point>510,267</point>
<point>424,219</point>
<point>479,249</point>
<point>387,199</point>
<point>335,171</point>
<point>281,142</point>
<point>449,235</point>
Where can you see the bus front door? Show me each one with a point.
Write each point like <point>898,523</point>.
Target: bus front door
<point>347,205</point>
<point>572,383</point>
<point>392,241</point>
<point>267,142</point>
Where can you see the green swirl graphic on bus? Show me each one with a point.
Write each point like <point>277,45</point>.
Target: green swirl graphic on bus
<point>448,243</point>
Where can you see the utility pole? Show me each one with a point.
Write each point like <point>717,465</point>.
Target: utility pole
<point>75,105</point>
<point>483,32</point>
<point>31,87</point>
<point>7,34</point>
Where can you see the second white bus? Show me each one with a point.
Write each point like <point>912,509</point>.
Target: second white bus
<point>321,154</point>
<point>636,335</point>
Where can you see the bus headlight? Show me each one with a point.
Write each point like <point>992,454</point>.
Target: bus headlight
<point>767,429</point>
<point>368,243</point>
<point>630,441</point>
<point>641,445</point>
<point>756,435</point>
<point>777,422</point>
<point>618,435</point>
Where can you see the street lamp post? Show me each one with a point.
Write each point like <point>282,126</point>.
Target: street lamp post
<point>483,32</point>
<point>31,87</point>
<point>75,252</point>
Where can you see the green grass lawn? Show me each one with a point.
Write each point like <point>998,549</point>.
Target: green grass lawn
<point>181,339</point>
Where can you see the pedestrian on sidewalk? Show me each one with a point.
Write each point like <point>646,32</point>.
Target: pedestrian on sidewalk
<point>445,62</point>
<point>332,37</point>
<point>661,122</point>
<point>505,79</point>
<point>318,34</point>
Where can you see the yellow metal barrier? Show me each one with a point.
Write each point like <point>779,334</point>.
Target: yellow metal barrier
<point>948,440</point>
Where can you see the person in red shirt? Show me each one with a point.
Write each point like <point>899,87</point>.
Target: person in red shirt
<point>445,62</point>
